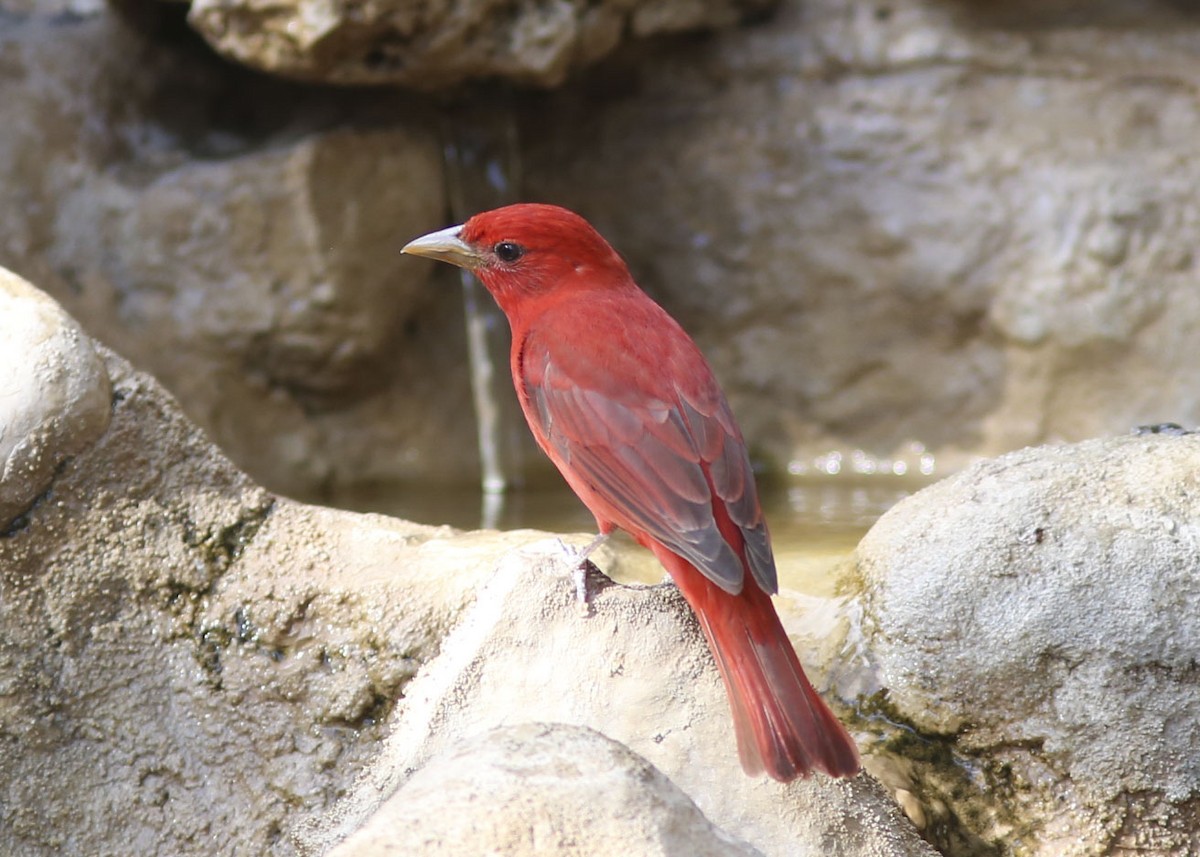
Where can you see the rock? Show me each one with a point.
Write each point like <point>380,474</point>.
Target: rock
<point>251,263</point>
<point>880,222</point>
<point>638,671</point>
<point>278,270</point>
<point>435,44</point>
<point>826,202</point>
<point>190,665</point>
<point>54,394</point>
<point>537,788</point>
<point>1035,612</point>
<point>186,661</point>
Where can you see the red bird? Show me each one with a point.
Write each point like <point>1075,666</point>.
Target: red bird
<point>626,406</point>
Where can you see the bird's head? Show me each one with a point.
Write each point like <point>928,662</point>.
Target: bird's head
<point>521,252</point>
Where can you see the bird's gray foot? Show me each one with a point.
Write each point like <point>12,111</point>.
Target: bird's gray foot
<point>582,567</point>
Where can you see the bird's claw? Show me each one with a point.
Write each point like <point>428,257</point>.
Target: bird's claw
<point>583,593</point>
<point>581,570</point>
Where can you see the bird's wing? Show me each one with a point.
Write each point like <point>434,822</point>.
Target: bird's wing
<point>656,462</point>
<point>723,455</point>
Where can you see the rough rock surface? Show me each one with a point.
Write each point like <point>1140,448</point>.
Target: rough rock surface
<point>191,665</point>
<point>240,237</point>
<point>638,671</point>
<point>185,660</point>
<point>434,44</point>
<point>1040,610</point>
<point>964,224</point>
<point>540,789</point>
<point>54,393</point>
<point>970,225</point>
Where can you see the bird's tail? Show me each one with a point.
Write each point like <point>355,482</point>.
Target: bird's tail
<point>783,727</point>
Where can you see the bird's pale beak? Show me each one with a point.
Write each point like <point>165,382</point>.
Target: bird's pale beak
<point>446,246</point>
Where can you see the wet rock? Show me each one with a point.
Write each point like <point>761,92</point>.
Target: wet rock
<point>435,44</point>
<point>636,670</point>
<point>54,394</point>
<point>539,788</point>
<point>1035,613</point>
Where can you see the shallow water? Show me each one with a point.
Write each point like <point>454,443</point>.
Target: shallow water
<point>815,522</point>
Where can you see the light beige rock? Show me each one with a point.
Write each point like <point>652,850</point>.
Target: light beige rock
<point>54,393</point>
<point>636,670</point>
<point>965,225</point>
<point>435,44</point>
<point>1037,611</point>
<point>959,224</point>
<point>187,661</point>
<point>190,665</point>
<point>540,789</point>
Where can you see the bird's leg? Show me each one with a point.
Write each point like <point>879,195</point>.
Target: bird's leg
<point>579,563</point>
<point>583,555</point>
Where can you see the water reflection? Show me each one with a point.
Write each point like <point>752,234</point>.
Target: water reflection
<point>815,523</point>
<point>483,172</point>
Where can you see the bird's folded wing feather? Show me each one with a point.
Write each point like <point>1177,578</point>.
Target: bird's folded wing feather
<point>658,461</point>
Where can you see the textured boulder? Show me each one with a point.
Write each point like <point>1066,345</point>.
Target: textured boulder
<point>434,44</point>
<point>1039,611</point>
<point>636,669</point>
<point>190,665</point>
<point>186,660</point>
<point>537,789</point>
<point>54,393</point>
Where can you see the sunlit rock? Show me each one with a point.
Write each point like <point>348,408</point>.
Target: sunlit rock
<point>537,788</point>
<point>635,669</point>
<point>186,661</point>
<point>1035,615</point>
<point>54,393</point>
<point>191,665</point>
<point>435,44</point>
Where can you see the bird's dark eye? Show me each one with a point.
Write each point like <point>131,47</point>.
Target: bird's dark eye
<point>507,251</point>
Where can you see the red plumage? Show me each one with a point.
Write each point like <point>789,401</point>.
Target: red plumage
<point>624,403</point>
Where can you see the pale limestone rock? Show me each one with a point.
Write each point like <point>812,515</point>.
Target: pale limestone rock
<point>186,661</point>
<point>1040,610</point>
<point>435,44</point>
<point>540,789</point>
<point>637,670</point>
<point>54,393</point>
<point>968,225</point>
<point>190,665</point>
<point>252,265</point>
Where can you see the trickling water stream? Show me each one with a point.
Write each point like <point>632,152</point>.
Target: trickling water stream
<point>815,523</point>
<point>483,171</point>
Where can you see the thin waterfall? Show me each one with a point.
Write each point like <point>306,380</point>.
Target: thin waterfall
<point>483,172</point>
